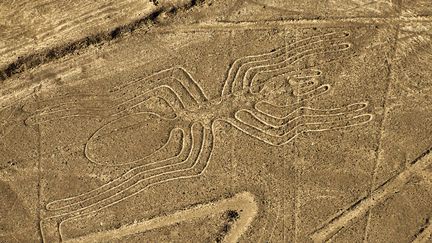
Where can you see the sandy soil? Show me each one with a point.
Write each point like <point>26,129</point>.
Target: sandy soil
<point>216,121</point>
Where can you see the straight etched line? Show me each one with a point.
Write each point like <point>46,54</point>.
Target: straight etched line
<point>381,194</point>
<point>394,19</point>
<point>39,175</point>
<point>285,169</point>
<point>296,177</point>
<point>382,127</point>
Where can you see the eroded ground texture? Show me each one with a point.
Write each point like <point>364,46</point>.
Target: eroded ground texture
<point>216,121</point>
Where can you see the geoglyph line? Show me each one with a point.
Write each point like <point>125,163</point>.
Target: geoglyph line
<point>141,173</point>
<point>242,66</point>
<point>242,202</point>
<point>136,171</point>
<point>378,196</point>
<point>243,70</point>
<point>302,121</point>
<point>180,92</point>
<point>195,170</point>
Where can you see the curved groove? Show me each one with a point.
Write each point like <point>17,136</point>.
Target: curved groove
<point>136,188</point>
<point>286,137</point>
<point>271,62</point>
<point>295,123</point>
<point>147,157</point>
<point>287,68</point>
<point>289,55</point>
<point>136,180</point>
<point>125,99</point>
<point>234,69</point>
<point>187,149</point>
<point>195,89</point>
<point>278,123</point>
<point>140,98</point>
<point>282,109</point>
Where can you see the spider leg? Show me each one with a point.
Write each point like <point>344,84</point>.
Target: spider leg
<point>139,179</point>
<point>193,166</point>
<point>282,114</point>
<point>71,106</point>
<point>303,84</point>
<point>65,107</point>
<point>153,162</point>
<point>302,115</point>
<point>177,80</point>
<point>281,130</point>
<point>89,101</point>
<point>240,65</point>
<point>114,109</point>
<point>324,53</point>
<point>306,85</point>
<point>175,86</point>
<point>296,88</point>
<point>237,71</point>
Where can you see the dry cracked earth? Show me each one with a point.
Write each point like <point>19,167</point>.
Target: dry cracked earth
<point>216,121</point>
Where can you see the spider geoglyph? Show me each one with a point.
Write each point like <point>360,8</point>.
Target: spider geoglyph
<point>245,102</point>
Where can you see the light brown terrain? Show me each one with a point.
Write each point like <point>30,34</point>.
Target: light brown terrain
<point>216,121</point>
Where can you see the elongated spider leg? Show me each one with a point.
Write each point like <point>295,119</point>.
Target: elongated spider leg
<point>277,132</point>
<point>305,59</point>
<point>231,83</point>
<point>167,93</point>
<point>98,108</point>
<point>177,80</point>
<point>49,115</point>
<point>191,166</point>
<point>68,106</point>
<point>194,166</point>
<point>288,136</point>
<point>175,86</point>
<point>237,71</point>
<point>265,123</point>
<point>158,161</point>
<point>292,53</point>
<point>103,108</point>
<point>280,115</point>
<point>93,101</point>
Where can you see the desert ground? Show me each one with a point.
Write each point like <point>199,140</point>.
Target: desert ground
<point>216,121</point>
